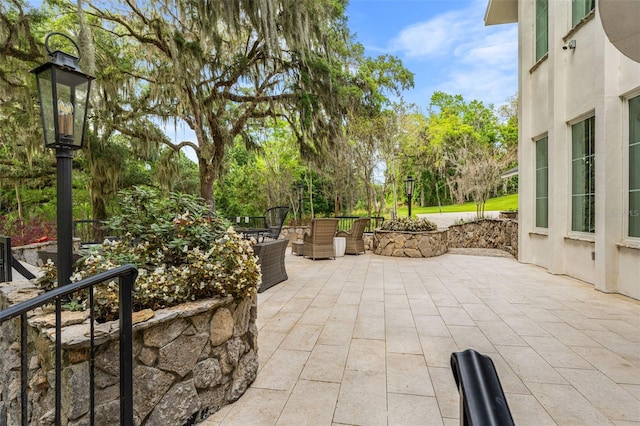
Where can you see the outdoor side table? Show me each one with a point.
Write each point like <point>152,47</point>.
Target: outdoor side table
<point>339,246</point>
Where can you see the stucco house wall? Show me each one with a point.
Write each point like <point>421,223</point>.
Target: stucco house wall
<point>566,86</point>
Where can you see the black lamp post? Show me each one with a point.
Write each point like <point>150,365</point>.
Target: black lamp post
<point>300,188</point>
<point>63,91</point>
<point>408,187</point>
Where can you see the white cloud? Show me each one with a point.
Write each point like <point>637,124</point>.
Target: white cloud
<point>435,37</point>
<point>460,55</point>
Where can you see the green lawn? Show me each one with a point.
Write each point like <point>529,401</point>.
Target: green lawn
<point>507,202</point>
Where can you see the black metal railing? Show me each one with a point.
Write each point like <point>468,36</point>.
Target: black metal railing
<point>346,223</point>
<point>248,221</point>
<point>127,275</point>
<point>482,400</point>
<point>8,262</point>
<point>5,259</point>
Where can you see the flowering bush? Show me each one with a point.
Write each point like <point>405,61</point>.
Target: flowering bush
<point>183,253</point>
<point>409,224</point>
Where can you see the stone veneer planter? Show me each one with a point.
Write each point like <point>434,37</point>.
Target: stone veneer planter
<point>486,233</point>
<point>189,361</point>
<point>410,244</point>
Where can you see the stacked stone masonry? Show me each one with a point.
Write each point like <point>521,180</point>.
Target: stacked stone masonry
<point>484,234</point>
<point>487,233</point>
<point>410,244</point>
<point>189,361</point>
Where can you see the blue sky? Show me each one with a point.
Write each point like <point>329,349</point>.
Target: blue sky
<point>444,43</point>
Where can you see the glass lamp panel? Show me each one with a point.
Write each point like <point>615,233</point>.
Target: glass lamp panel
<point>72,94</point>
<point>47,108</point>
<point>409,185</point>
<point>64,116</point>
<point>80,111</point>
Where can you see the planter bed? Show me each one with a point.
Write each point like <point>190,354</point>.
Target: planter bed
<point>410,244</point>
<point>189,361</point>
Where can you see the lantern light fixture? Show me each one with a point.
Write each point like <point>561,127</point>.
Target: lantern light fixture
<point>63,92</point>
<point>408,185</point>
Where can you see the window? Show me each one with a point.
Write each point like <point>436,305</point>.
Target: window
<point>542,183</point>
<point>634,167</point>
<point>542,28</point>
<point>580,9</point>
<point>583,176</point>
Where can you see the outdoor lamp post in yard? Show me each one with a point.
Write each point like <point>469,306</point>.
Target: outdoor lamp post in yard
<point>63,91</point>
<point>300,188</point>
<point>408,186</point>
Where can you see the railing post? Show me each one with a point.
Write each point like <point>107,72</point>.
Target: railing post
<point>482,400</point>
<point>126,348</point>
<point>5,260</point>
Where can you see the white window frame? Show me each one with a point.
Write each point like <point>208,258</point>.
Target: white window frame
<point>577,234</point>
<point>626,172</point>
<point>575,21</point>
<point>536,34</point>
<point>535,181</point>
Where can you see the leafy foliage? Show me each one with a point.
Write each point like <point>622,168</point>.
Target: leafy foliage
<point>409,224</point>
<point>183,253</point>
<point>27,232</point>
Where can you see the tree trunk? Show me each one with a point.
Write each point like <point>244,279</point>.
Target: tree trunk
<point>20,216</point>
<point>207,177</point>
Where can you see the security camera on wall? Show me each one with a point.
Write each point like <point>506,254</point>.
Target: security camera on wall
<point>570,45</point>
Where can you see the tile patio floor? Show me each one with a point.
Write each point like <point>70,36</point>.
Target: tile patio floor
<point>366,340</point>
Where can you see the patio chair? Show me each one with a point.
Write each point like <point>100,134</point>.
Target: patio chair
<point>319,244</point>
<point>355,242</point>
<point>274,219</point>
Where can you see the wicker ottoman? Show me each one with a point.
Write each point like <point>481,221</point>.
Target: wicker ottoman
<point>297,247</point>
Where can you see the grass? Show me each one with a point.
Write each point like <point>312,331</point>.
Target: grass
<point>507,202</point>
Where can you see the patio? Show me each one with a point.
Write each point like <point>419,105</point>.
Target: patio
<point>366,340</point>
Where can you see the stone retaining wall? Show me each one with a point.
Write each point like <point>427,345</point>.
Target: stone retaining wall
<point>189,361</point>
<point>487,233</point>
<point>30,253</point>
<point>410,244</point>
<point>294,233</point>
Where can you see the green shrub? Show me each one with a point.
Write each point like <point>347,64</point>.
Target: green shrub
<point>182,251</point>
<point>409,224</point>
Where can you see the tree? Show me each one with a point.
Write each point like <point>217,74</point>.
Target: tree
<point>221,67</point>
<point>107,151</point>
<point>477,171</point>
<point>468,148</point>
